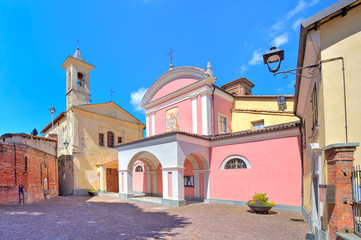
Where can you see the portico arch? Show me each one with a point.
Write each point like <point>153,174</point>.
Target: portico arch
<point>196,177</point>
<point>151,177</point>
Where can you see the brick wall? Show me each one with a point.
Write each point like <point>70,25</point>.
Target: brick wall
<point>340,214</point>
<point>21,164</point>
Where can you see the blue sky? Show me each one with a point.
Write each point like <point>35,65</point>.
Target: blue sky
<point>128,41</point>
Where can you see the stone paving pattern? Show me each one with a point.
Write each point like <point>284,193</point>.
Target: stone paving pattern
<point>110,218</point>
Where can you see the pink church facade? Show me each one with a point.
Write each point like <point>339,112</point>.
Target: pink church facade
<point>191,152</point>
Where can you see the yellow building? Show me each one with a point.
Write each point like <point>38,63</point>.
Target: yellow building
<point>252,112</point>
<point>87,133</point>
<point>328,103</point>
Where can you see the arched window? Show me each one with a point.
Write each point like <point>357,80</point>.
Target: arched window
<point>235,162</point>
<point>139,168</point>
<point>80,79</point>
<point>110,139</point>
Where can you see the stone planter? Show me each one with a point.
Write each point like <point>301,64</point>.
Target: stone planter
<point>260,209</point>
<point>92,193</point>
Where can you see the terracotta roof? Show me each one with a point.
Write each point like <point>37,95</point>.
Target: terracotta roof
<point>219,136</point>
<point>24,135</point>
<point>265,96</point>
<point>238,80</point>
<point>250,132</point>
<point>261,111</point>
<point>55,120</point>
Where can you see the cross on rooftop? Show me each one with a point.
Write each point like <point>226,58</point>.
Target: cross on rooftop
<point>111,94</point>
<point>170,54</point>
<point>77,43</point>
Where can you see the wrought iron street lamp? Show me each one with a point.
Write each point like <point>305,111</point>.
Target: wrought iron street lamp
<point>276,56</point>
<point>66,144</point>
<point>273,56</point>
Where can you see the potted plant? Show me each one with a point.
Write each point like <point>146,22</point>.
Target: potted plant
<point>92,192</point>
<point>260,203</point>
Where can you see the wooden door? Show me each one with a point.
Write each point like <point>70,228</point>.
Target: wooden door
<point>112,180</point>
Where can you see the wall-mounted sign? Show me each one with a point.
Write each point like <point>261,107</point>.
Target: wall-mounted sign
<point>172,120</point>
<point>327,193</point>
<point>189,181</point>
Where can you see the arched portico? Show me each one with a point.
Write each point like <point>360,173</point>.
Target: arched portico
<point>170,152</point>
<point>196,177</point>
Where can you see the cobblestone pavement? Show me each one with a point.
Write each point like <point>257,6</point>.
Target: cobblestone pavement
<point>109,218</point>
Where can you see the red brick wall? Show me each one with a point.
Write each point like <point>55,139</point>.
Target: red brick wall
<point>340,214</point>
<point>32,166</point>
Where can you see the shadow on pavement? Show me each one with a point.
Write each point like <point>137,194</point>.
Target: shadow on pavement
<point>83,218</point>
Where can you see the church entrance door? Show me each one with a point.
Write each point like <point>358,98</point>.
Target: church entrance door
<point>112,180</point>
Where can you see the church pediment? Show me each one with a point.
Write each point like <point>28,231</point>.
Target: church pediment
<point>111,110</point>
<point>174,83</point>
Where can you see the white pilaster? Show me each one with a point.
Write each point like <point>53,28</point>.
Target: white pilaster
<point>147,124</point>
<point>125,183</point>
<point>103,187</point>
<point>196,184</point>
<point>153,123</point>
<point>194,115</point>
<point>165,183</point>
<point>206,114</point>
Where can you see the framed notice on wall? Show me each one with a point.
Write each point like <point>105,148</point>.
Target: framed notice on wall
<point>189,181</point>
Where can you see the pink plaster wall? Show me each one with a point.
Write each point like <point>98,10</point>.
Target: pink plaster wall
<point>139,179</point>
<point>172,87</point>
<point>185,117</point>
<point>170,185</point>
<point>188,171</point>
<point>224,107</point>
<point>275,170</point>
<point>159,180</point>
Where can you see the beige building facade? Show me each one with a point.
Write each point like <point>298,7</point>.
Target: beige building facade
<point>87,134</point>
<point>327,100</point>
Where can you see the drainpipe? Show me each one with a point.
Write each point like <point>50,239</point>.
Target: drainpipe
<point>344,88</point>
<point>302,170</point>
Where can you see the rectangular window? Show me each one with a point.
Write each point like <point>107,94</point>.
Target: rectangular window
<point>314,109</point>
<point>101,139</point>
<point>119,140</point>
<point>222,124</point>
<point>258,125</point>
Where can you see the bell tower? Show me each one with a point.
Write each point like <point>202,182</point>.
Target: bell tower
<point>77,80</point>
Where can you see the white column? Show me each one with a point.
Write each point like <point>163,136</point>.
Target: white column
<point>197,190</point>
<point>206,115</point>
<point>125,184</point>
<point>153,123</point>
<point>150,176</point>
<point>194,115</point>
<point>206,183</point>
<point>165,183</point>
<point>178,184</point>
<point>147,124</point>
<point>103,179</point>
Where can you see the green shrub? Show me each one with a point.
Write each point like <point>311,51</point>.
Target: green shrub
<point>260,199</point>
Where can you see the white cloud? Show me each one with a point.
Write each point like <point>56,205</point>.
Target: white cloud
<point>299,7</point>
<point>291,84</point>
<point>257,58</point>
<point>280,40</point>
<point>296,24</point>
<point>136,98</point>
<point>243,69</point>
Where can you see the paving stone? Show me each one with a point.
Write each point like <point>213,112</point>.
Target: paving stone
<point>100,217</point>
